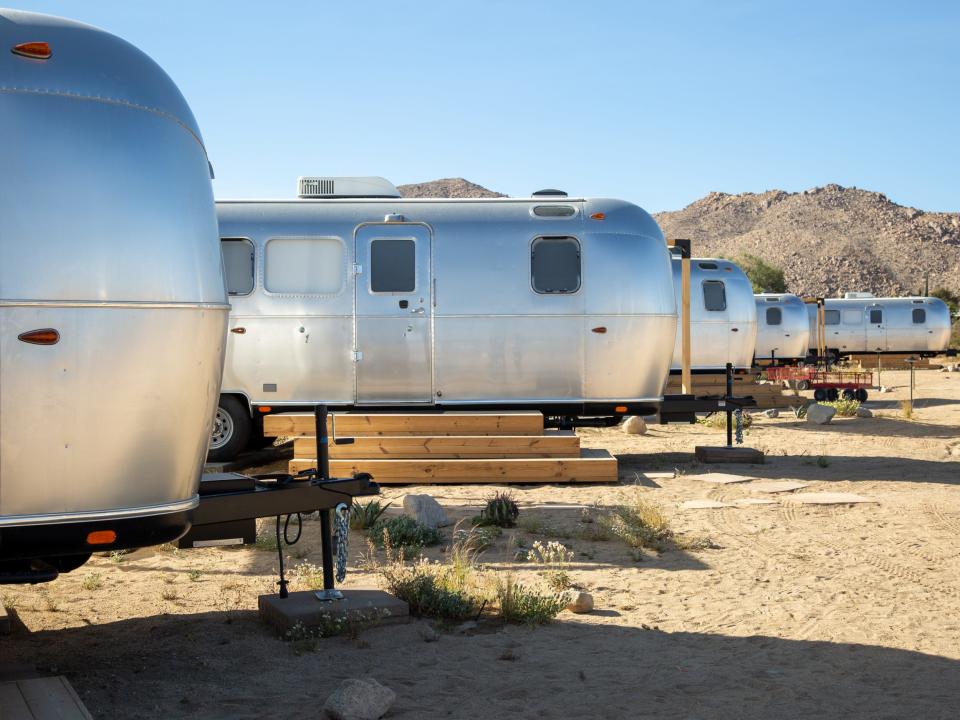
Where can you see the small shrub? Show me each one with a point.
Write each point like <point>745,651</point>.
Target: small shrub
<point>501,510</point>
<point>517,603</point>
<point>308,576</point>
<point>117,556</point>
<point>823,461</point>
<point>844,408</point>
<point>169,593</point>
<point>555,557</point>
<point>266,536</point>
<point>479,537</point>
<point>365,515</point>
<point>718,421</point>
<point>906,409</point>
<point>640,525</point>
<point>93,581</point>
<point>404,532</point>
<point>194,575</point>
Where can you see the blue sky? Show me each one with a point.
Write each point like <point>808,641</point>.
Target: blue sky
<point>657,103</point>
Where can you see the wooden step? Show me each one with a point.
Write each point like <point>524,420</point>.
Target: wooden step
<point>393,424</point>
<point>592,466</point>
<point>551,444</point>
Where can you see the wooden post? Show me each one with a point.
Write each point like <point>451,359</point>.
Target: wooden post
<point>686,382</point>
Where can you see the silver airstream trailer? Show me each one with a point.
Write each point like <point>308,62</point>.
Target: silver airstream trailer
<point>112,303</point>
<point>358,298</point>
<point>723,316</point>
<point>860,323</point>
<point>783,329</point>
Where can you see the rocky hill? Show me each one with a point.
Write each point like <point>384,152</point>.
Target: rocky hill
<point>447,188</point>
<point>828,240</point>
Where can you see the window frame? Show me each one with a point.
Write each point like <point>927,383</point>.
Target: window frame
<point>531,251</point>
<point>703,294</point>
<point>388,238</point>
<point>253,248</point>
<point>344,284</point>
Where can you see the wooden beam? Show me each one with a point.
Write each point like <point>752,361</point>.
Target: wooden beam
<point>365,425</point>
<point>592,467</point>
<point>554,444</point>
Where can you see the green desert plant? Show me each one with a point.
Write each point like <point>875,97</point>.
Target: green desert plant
<point>501,510</point>
<point>554,557</point>
<point>844,408</point>
<point>763,276</point>
<point>642,524</point>
<point>93,581</point>
<point>403,531</point>
<point>718,421</point>
<point>365,515</point>
<point>517,603</point>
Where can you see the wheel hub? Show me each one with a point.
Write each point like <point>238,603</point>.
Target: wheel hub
<point>222,430</point>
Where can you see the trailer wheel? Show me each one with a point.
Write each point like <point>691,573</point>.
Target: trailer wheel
<point>849,394</point>
<point>832,394</point>
<point>803,385</point>
<point>819,394</point>
<point>861,395</point>
<point>231,429</point>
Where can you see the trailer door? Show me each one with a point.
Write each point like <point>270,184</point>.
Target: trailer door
<point>393,314</point>
<point>876,329</point>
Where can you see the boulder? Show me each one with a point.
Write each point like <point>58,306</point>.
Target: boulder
<point>635,425</point>
<point>818,414</point>
<point>864,412</point>
<point>772,413</point>
<point>581,603</point>
<point>426,510</point>
<point>359,700</point>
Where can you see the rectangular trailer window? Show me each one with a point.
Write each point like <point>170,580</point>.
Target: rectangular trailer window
<point>555,265</point>
<point>304,266</point>
<point>238,265</point>
<point>831,317</point>
<point>852,317</point>
<point>714,295</point>
<point>876,317</point>
<point>393,265</point>
<point>774,316</point>
<point>919,316</point>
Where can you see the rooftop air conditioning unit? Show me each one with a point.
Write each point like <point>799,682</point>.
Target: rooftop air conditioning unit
<point>346,187</point>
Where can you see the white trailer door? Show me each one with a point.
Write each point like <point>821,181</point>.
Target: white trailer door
<point>393,314</point>
<point>876,329</point>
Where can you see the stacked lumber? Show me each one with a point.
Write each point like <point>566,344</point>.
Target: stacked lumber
<point>767,394</point>
<point>892,361</point>
<point>455,447</point>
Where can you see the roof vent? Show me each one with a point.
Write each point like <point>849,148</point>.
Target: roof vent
<point>346,187</point>
<point>857,295</point>
<point>549,193</point>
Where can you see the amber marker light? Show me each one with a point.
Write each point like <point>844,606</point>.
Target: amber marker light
<point>620,408</point>
<point>600,330</point>
<point>46,336</point>
<point>264,409</point>
<point>101,537</point>
<point>238,330</point>
<point>598,216</point>
<point>35,50</point>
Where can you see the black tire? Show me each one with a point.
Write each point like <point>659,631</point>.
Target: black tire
<point>231,429</point>
<point>861,395</point>
<point>849,394</point>
<point>832,395</point>
<point>803,385</point>
<point>819,394</point>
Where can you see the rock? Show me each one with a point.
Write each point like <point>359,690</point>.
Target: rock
<point>864,412</point>
<point>465,628</point>
<point>885,389</point>
<point>426,510</point>
<point>635,426</point>
<point>581,603</point>
<point>428,633</point>
<point>955,451</point>
<point>359,700</point>
<point>818,414</point>
<point>772,413</point>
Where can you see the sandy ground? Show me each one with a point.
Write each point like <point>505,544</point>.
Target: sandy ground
<point>800,612</point>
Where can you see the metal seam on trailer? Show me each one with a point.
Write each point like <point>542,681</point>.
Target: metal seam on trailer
<point>100,515</point>
<point>113,304</point>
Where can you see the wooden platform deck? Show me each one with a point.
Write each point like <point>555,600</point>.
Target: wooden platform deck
<point>49,698</point>
<point>446,448</point>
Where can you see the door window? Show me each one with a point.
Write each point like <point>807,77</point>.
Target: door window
<point>714,295</point>
<point>774,316</point>
<point>555,265</point>
<point>876,316</point>
<point>238,265</point>
<point>919,316</point>
<point>393,265</point>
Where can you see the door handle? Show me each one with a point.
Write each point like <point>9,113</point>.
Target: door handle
<point>417,311</point>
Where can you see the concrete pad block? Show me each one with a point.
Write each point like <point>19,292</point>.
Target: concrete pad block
<point>746,502</point>
<point>703,505</point>
<point>830,498</point>
<point>724,454</point>
<point>372,607</point>
<point>722,478</point>
<point>776,486</point>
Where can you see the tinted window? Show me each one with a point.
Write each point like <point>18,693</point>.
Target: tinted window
<point>554,211</point>
<point>555,265</point>
<point>708,266</point>
<point>831,317</point>
<point>714,295</point>
<point>876,317</point>
<point>774,316</point>
<point>238,265</point>
<point>919,315</point>
<point>393,266</point>
<point>304,266</point>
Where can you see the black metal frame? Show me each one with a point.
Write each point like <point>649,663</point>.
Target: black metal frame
<point>684,408</point>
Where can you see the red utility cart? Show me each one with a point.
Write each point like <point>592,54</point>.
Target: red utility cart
<point>826,384</point>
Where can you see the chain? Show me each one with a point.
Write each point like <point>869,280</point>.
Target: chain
<point>341,530</point>
<point>738,414</point>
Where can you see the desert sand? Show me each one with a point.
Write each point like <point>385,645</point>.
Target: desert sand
<point>846,610</point>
